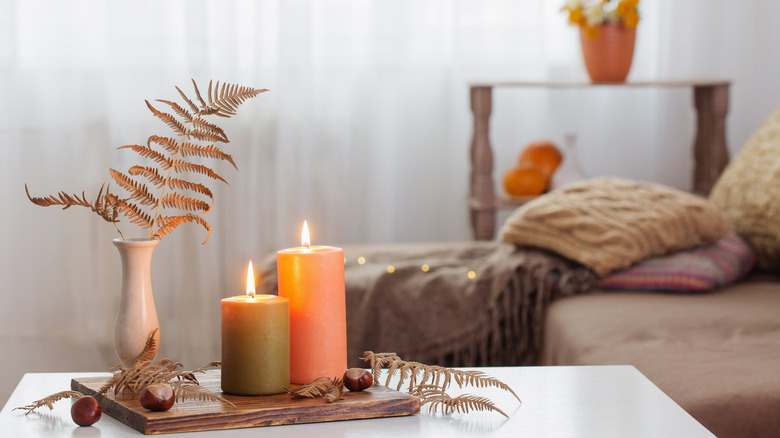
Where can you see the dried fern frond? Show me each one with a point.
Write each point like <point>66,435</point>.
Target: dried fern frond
<point>429,382</point>
<point>169,144</point>
<point>175,200</point>
<point>150,173</point>
<point>168,224</point>
<point>190,391</point>
<point>330,389</point>
<point>183,166</point>
<point>137,190</point>
<point>226,100</point>
<point>171,156</point>
<point>102,206</point>
<point>150,347</point>
<point>169,120</point>
<point>134,213</point>
<point>181,184</point>
<point>183,113</point>
<point>378,361</point>
<point>148,152</point>
<point>49,401</point>
<point>210,151</point>
<point>436,398</point>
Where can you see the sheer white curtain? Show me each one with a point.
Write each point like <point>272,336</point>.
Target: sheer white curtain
<point>365,131</point>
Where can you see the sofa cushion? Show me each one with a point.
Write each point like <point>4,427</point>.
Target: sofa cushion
<point>610,223</point>
<point>698,269</point>
<point>748,192</point>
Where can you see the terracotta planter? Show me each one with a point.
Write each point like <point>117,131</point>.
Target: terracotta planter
<point>608,56</point>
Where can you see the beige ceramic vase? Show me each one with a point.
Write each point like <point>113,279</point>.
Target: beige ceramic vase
<point>136,316</point>
<point>608,56</point>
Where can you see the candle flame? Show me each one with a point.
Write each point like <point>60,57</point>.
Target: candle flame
<point>305,240</point>
<point>250,281</point>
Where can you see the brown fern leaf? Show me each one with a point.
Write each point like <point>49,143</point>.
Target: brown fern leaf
<point>148,152</point>
<point>168,119</point>
<point>480,379</point>
<point>169,223</point>
<point>137,190</point>
<point>49,401</point>
<point>183,113</point>
<point>189,391</point>
<point>62,198</point>
<point>229,97</point>
<point>151,174</point>
<point>184,166</point>
<point>192,105</point>
<point>150,348</point>
<point>203,135</point>
<point>330,389</point>
<point>202,126</point>
<point>378,361</point>
<point>175,200</point>
<point>435,397</point>
<point>169,144</point>
<point>210,151</point>
<point>197,94</point>
<point>111,383</point>
<point>133,213</point>
<point>439,377</point>
<point>104,205</point>
<point>181,184</point>
<point>336,391</point>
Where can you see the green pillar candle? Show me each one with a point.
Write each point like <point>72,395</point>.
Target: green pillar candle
<point>255,344</point>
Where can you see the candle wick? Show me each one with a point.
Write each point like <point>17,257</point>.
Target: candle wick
<point>251,293</point>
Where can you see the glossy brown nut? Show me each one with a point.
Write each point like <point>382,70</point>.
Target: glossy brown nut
<point>157,397</point>
<point>358,379</point>
<point>85,411</point>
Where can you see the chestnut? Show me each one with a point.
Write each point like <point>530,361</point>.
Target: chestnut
<point>358,379</point>
<point>157,397</point>
<point>85,411</point>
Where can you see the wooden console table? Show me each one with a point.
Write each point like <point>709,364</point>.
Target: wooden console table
<point>710,98</point>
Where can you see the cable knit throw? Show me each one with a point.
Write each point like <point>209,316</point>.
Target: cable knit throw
<point>440,314</point>
<point>610,223</point>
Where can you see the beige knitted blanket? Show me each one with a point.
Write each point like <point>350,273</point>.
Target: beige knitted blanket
<point>420,301</point>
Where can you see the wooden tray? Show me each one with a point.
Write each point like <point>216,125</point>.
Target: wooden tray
<point>269,410</point>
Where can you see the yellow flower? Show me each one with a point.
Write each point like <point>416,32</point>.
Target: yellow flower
<point>626,7</point>
<point>631,19</point>
<point>575,16</point>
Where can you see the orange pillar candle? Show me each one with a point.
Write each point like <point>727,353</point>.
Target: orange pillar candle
<point>312,278</point>
<point>255,343</point>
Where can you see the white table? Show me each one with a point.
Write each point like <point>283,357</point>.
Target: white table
<point>588,401</point>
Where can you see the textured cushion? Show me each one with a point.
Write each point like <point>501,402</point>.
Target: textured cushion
<point>698,269</point>
<point>610,223</point>
<point>748,192</point>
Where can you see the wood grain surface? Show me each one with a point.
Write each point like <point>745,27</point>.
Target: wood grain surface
<point>254,411</point>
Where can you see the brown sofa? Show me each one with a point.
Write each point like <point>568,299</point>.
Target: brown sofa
<point>716,354</point>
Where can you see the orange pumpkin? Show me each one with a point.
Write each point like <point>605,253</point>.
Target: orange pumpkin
<point>542,154</point>
<point>524,180</point>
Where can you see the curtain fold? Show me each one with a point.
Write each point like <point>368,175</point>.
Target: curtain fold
<point>364,132</point>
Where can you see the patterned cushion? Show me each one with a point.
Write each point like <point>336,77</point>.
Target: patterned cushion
<point>748,193</point>
<point>610,223</point>
<point>700,269</point>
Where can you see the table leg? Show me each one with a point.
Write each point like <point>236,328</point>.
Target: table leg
<point>709,148</point>
<point>482,195</point>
